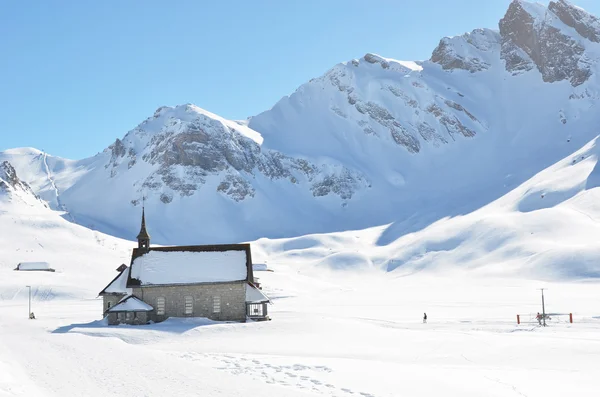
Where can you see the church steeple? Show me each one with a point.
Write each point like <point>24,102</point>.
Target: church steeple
<point>143,237</point>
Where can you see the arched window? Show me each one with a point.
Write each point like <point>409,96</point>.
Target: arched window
<point>188,305</point>
<point>216,304</point>
<point>160,306</point>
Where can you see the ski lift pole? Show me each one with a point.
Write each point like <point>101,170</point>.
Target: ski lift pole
<point>29,312</point>
<point>543,308</point>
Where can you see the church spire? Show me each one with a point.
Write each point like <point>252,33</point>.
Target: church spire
<point>143,237</point>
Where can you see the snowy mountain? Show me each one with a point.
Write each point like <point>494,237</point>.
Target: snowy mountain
<point>373,141</point>
<point>14,191</point>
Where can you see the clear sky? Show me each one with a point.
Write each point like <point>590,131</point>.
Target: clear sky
<point>75,75</point>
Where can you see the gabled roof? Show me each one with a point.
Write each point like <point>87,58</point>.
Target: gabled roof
<point>195,264</point>
<point>254,295</point>
<point>131,304</point>
<point>118,285</point>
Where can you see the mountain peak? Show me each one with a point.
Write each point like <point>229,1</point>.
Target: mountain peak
<point>534,36</point>
<point>584,23</point>
<point>8,175</point>
<point>11,184</point>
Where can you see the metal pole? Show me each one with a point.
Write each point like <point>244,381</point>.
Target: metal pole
<point>543,307</point>
<point>29,313</point>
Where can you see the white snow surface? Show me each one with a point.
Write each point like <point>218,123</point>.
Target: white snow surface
<point>33,266</point>
<point>131,304</point>
<point>182,267</point>
<point>119,284</point>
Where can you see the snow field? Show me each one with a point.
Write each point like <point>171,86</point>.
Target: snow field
<point>329,337</point>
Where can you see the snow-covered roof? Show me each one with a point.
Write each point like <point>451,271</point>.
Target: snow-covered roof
<point>119,284</point>
<point>33,266</point>
<point>253,294</point>
<point>190,265</point>
<point>131,304</point>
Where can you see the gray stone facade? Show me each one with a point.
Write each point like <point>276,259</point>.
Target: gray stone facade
<point>109,301</point>
<point>133,318</point>
<point>231,297</point>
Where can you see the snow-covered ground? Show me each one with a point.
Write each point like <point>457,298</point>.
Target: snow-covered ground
<point>336,335</point>
<point>346,315</point>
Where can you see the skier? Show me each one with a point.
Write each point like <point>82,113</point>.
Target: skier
<point>424,318</point>
<point>31,316</point>
<point>539,318</point>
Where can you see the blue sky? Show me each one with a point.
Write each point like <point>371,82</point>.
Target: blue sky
<point>75,75</point>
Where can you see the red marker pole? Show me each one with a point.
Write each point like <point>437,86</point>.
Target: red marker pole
<point>571,318</point>
<point>518,319</point>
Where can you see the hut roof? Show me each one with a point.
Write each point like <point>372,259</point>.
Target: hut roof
<point>131,303</point>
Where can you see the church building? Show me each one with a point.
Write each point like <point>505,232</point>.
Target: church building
<point>211,281</point>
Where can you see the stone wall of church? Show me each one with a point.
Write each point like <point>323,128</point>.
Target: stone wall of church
<point>109,301</point>
<point>133,318</point>
<point>217,301</point>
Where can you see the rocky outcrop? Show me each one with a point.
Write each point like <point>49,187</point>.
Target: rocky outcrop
<point>585,24</point>
<point>459,52</point>
<point>10,180</point>
<point>236,188</point>
<point>450,122</point>
<point>381,115</point>
<point>10,184</point>
<point>530,40</point>
<point>186,147</point>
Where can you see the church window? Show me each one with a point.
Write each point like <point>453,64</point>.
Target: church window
<point>216,304</point>
<point>189,305</point>
<point>160,306</point>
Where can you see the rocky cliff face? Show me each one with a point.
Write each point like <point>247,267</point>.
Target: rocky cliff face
<point>466,52</point>
<point>533,36</point>
<point>11,187</point>
<point>186,146</point>
<point>9,179</point>
<point>587,25</point>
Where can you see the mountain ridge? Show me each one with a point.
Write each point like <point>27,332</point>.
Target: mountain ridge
<point>372,141</point>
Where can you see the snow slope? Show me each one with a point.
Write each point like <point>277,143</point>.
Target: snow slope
<point>333,333</point>
<point>31,232</point>
<point>546,228</point>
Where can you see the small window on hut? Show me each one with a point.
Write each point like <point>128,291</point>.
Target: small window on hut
<point>189,305</point>
<point>216,304</point>
<point>160,306</point>
<point>108,305</point>
<point>129,316</point>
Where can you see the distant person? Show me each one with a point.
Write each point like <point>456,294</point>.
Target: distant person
<point>539,318</point>
<point>424,318</point>
<point>31,316</point>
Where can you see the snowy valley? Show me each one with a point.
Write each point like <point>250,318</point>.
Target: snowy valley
<point>383,189</point>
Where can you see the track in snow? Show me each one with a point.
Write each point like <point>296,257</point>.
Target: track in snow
<point>59,204</point>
